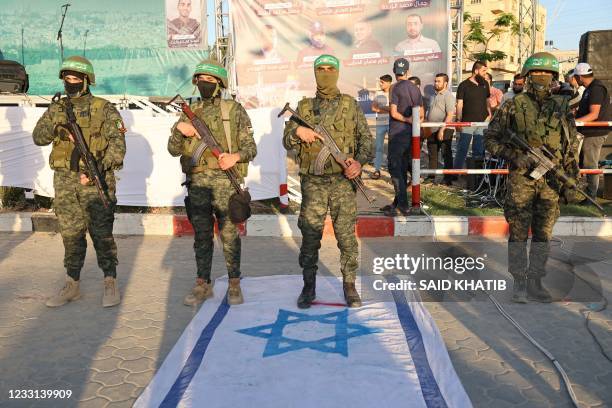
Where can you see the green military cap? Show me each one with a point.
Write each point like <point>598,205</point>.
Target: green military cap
<point>541,61</point>
<point>327,59</point>
<point>80,64</point>
<point>212,68</point>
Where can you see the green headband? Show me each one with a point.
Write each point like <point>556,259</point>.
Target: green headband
<point>70,65</point>
<point>211,70</point>
<point>326,59</point>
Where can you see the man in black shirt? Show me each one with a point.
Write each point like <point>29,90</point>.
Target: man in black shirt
<point>404,96</point>
<point>594,106</point>
<point>472,106</point>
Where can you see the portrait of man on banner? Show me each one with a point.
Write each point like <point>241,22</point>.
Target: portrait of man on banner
<point>365,45</point>
<point>317,45</point>
<point>184,23</point>
<point>424,53</point>
<point>268,52</point>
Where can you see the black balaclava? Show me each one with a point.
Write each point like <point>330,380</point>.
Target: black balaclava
<point>208,89</point>
<point>74,90</point>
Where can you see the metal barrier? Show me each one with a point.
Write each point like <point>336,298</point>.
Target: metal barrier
<point>416,154</point>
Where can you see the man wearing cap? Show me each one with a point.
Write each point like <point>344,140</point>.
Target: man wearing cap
<point>404,96</point>
<point>77,204</point>
<point>540,118</point>
<point>208,187</point>
<point>330,189</point>
<point>594,106</point>
<point>577,89</point>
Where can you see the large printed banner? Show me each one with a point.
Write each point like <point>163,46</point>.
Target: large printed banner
<point>183,30</point>
<point>278,40</point>
<point>138,47</point>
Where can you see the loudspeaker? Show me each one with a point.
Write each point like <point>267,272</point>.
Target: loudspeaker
<point>596,49</point>
<point>607,193</point>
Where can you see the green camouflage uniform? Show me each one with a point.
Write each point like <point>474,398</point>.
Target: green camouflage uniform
<point>208,187</point>
<point>533,203</point>
<point>79,208</point>
<point>345,120</point>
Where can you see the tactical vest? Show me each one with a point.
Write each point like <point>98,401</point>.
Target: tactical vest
<point>89,112</point>
<point>543,125</point>
<point>221,117</point>
<point>341,126</point>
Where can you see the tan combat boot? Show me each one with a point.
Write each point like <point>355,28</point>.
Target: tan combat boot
<point>351,295</point>
<point>69,292</point>
<point>200,292</point>
<point>234,293</point>
<point>111,292</point>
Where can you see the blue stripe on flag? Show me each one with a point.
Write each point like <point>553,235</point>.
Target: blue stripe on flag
<point>194,360</point>
<point>429,387</point>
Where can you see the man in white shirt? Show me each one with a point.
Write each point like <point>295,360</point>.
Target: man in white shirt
<point>380,106</point>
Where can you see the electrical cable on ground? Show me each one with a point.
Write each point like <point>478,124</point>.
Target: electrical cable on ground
<point>587,313</point>
<point>507,316</point>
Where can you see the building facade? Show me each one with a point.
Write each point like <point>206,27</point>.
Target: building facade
<point>487,11</point>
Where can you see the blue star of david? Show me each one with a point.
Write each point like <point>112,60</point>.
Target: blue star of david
<point>336,344</point>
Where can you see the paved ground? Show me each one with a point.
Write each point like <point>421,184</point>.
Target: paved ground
<point>107,356</point>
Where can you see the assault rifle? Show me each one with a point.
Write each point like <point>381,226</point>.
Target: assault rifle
<point>329,148</point>
<point>91,167</point>
<point>544,163</point>
<point>239,203</point>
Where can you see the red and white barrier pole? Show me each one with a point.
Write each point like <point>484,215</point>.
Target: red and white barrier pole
<point>485,124</point>
<point>458,172</point>
<point>416,159</point>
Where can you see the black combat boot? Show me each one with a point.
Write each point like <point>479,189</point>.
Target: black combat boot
<point>351,295</point>
<point>308,294</point>
<point>519,291</point>
<point>537,292</point>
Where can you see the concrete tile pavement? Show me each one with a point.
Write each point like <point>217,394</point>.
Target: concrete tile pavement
<point>107,356</point>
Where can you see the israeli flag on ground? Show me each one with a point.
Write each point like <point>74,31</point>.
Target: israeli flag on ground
<point>268,353</point>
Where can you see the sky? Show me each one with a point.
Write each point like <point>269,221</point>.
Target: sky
<point>567,20</point>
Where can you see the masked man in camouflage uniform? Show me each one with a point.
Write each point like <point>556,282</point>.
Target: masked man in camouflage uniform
<point>77,204</point>
<point>541,119</point>
<point>208,186</point>
<point>343,118</point>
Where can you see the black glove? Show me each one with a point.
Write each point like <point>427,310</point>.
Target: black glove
<point>523,161</point>
<point>570,196</point>
<point>61,131</point>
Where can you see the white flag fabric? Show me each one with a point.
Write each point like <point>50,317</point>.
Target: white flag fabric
<point>268,353</point>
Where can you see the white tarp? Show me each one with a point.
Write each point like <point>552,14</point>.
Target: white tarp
<point>268,353</point>
<point>150,177</point>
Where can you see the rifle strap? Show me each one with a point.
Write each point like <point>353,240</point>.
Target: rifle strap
<point>566,131</point>
<point>316,108</point>
<point>226,106</point>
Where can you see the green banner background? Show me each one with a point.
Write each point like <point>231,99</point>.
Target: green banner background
<point>126,43</point>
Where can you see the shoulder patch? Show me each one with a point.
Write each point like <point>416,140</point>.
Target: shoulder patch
<point>120,126</point>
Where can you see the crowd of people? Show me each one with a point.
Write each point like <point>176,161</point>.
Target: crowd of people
<point>476,100</point>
